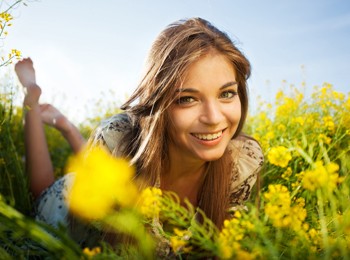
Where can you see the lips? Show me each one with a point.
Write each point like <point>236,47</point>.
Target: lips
<point>208,137</point>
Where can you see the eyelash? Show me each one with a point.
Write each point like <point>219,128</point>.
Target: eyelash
<point>189,99</point>
<point>231,92</point>
<point>181,100</point>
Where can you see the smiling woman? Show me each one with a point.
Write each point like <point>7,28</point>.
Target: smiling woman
<point>207,112</point>
<point>181,128</point>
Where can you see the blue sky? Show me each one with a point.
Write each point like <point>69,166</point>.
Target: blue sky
<point>83,48</point>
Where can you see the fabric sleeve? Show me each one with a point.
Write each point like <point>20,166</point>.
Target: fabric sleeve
<point>51,206</point>
<point>247,163</point>
<point>110,132</point>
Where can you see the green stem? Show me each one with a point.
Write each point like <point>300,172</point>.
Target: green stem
<point>12,6</point>
<point>323,223</point>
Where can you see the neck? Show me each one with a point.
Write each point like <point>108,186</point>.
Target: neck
<point>183,176</point>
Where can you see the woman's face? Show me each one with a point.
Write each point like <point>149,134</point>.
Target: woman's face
<point>207,111</point>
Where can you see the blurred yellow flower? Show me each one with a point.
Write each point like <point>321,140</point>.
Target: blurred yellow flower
<point>277,206</point>
<point>91,252</point>
<point>16,53</point>
<point>101,181</point>
<point>150,202</point>
<point>180,240</point>
<point>329,123</point>
<point>279,156</point>
<point>289,107</point>
<point>6,16</point>
<point>281,128</point>
<point>287,173</point>
<point>231,234</point>
<point>298,120</point>
<point>177,243</point>
<point>322,177</point>
<point>324,138</point>
<point>280,210</point>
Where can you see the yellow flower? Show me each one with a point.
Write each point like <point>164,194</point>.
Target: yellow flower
<point>281,128</point>
<point>232,232</point>
<point>177,243</point>
<point>287,173</point>
<point>298,120</point>
<point>6,16</point>
<point>180,240</point>
<point>91,252</point>
<point>16,53</point>
<point>150,202</point>
<point>288,107</point>
<point>280,210</point>
<point>324,177</point>
<point>100,182</point>
<point>329,123</point>
<point>324,138</point>
<point>278,205</point>
<point>279,156</point>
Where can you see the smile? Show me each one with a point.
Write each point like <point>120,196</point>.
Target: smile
<point>208,137</point>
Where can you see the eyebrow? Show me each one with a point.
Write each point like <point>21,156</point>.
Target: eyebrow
<point>192,90</point>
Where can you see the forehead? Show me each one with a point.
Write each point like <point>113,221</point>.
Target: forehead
<point>213,69</point>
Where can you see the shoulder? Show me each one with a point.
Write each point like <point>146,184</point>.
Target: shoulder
<point>247,149</point>
<point>248,159</point>
<point>111,130</point>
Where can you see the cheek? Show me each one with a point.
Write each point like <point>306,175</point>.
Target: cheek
<point>179,119</point>
<point>176,124</point>
<point>235,113</point>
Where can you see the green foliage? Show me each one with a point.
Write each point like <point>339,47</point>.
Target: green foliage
<point>12,176</point>
<point>300,215</point>
<point>303,211</point>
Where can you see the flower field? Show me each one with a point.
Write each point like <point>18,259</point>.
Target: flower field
<point>300,209</point>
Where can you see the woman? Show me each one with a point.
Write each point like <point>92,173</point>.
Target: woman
<point>182,125</point>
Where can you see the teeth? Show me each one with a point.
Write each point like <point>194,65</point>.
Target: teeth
<point>208,137</point>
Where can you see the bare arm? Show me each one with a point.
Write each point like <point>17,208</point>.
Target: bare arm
<point>53,117</point>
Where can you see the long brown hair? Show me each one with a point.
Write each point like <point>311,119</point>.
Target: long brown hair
<point>174,50</point>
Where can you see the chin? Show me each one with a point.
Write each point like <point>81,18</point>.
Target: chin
<point>212,157</point>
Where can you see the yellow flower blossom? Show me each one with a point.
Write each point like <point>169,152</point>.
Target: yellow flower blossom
<point>280,210</point>
<point>16,53</point>
<point>269,135</point>
<point>278,205</point>
<point>322,177</point>
<point>287,108</point>
<point>287,173</point>
<point>232,232</point>
<point>281,128</point>
<point>91,252</point>
<point>150,202</point>
<point>329,123</point>
<point>324,138</point>
<point>6,16</point>
<point>279,156</point>
<point>100,182</point>
<point>338,95</point>
<point>279,95</point>
<point>298,120</point>
<point>179,242</point>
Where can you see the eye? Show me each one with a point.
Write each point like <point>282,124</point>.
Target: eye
<point>228,94</point>
<point>185,100</point>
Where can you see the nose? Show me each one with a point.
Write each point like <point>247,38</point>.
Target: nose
<point>211,113</point>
